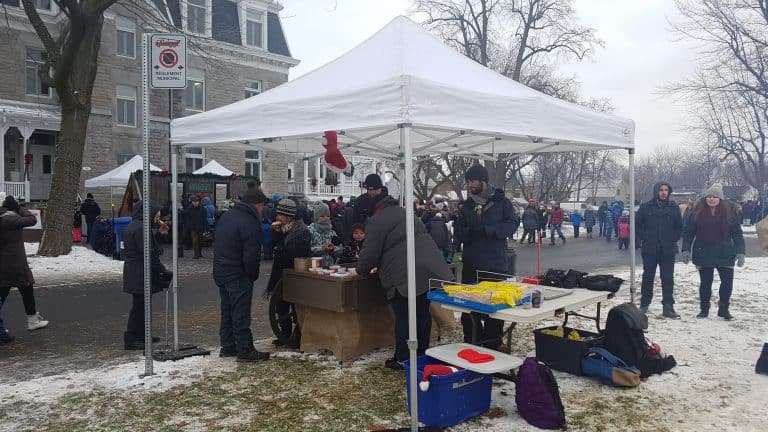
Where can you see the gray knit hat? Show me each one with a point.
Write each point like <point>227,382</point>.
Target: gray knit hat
<point>286,207</point>
<point>321,209</point>
<point>716,191</point>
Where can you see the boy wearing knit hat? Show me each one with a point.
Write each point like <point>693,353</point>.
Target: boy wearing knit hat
<point>485,221</point>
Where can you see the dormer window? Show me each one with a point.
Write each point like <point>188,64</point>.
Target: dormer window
<point>254,28</point>
<point>196,16</point>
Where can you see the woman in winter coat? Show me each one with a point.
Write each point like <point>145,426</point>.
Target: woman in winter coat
<point>590,218</point>
<point>133,274</point>
<point>14,269</point>
<point>530,222</point>
<point>323,236</point>
<point>713,240</point>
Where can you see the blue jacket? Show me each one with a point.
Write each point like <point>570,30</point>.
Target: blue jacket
<point>210,211</point>
<point>237,245</point>
<point>484,230</point>
<point>576,218</point>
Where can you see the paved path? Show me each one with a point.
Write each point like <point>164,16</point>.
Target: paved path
<point>87,320</point>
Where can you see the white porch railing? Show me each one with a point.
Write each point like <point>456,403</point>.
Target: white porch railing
<point>14,188</point>
<point>326,191</point>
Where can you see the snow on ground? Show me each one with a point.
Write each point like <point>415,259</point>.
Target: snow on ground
<point>81,264</point>
<point>713,388</point>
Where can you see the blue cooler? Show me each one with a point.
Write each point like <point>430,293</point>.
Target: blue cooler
<point>118,225</point>
<point>451,399</point>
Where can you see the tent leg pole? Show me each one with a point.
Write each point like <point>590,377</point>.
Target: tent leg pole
<point>175,236</point>
<point>405,143</point>
<point>632,254</point>
<point>306,177</point>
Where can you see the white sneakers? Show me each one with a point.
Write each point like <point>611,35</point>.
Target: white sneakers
<point>35,322</point>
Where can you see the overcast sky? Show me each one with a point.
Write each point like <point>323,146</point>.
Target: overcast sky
<point>640,53</point>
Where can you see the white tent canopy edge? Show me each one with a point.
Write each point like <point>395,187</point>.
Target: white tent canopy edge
<point>401,90</point>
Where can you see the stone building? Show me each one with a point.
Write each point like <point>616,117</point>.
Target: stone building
<point>236,49</point>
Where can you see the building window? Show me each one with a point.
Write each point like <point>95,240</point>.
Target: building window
<point>194,95</point>
<point>196,16</point>
<point>34,64</point>
<point>252,88</point>
<point>193,159</point>
<point>126,37</point>
<point>126,105</point>
<point>291,172</point>
<point>44,5</point>
<point>47,164</point>
<point>253,163</point>
<point>254,28</point>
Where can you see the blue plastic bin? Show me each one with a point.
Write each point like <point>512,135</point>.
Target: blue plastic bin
<point>118,224</point>
<point>451,399</point>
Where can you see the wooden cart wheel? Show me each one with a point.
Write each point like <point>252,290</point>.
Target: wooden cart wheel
<point>283,319</point>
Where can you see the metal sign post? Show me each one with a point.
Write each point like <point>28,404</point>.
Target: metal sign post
<point>166,68</point>
<point>147,217</point>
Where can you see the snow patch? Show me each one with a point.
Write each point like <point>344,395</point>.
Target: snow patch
<point>80,264</point>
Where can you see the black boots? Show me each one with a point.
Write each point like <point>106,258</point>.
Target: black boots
<point>762,363</point>
<point>704,311</point>
<point>722,311</point>
<point>669,311</point>
<point>252,356</point>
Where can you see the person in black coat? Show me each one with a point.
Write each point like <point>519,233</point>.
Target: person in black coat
<point>486,220</point>
<point>291,239</point>
<point>196,221</point>
<point>658,228</point>
<point>365,203</point>
<point>437,228</point>
<point>133,274</point>
<point>236,260</point>
<point>90,210</point>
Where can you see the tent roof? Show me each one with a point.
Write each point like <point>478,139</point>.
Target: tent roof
<point>404,75</point>
<point>214,167</point>
<point>119,176</point>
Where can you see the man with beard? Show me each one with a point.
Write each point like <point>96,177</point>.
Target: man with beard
<point>658,227</point>
<point>485,222</point>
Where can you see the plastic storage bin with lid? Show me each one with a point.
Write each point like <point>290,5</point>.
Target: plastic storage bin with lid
<point>118,225</point>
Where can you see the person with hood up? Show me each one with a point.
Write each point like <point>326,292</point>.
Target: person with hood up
<point>590,217</point>
<point>210,213</point>
<point>323,236</point>
<point>236,260</point>
<point>530,222</point>
<point>713,240</point>
<point>576,222</point>
<point>90,210</point>
<point>14,268</point>
<point>196,222</point>
<point>485,222</point>
<point>658,228</point>
<point>556,217</point>
<point>291,239</point>
<point>385,248</point>
<point>133,273</point>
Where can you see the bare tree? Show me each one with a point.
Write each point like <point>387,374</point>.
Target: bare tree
<point>427,178</point>
<point>729,91</point>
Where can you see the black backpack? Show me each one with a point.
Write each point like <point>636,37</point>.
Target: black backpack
<point>625,338</point>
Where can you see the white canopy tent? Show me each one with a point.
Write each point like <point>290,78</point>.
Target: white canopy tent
<point>119,176</point>
<point>214,167</point>
<point>400,94</point>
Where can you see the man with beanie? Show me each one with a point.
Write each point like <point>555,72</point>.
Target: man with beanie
<point>385,248</point>
<point>196,221</point>
<point>365,203</point>
<point>291,240</point>
<point>90,210</point>
<point>484,223</point>
<point>236,260</point>
<point>658,228</point>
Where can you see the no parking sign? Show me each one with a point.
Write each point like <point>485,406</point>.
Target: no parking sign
<point>168,61</point>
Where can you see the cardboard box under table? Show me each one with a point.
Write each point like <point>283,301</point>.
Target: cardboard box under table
<point>346,315</point>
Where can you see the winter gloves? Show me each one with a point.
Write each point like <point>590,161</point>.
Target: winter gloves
<point>686,256</point>
<point>740,260</point>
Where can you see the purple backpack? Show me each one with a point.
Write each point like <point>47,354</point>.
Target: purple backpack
<point>538,396</point>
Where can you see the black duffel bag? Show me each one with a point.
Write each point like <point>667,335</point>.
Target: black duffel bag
<point>601,283</point>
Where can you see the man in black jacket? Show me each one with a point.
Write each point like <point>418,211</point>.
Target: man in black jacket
<point>659,226</point>
<point>485,222</point>
<point>196,222</point>
<point>90,210</point>
<point>236,259</point>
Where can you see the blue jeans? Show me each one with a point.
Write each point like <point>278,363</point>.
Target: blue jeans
<point>235,329</point>
<point>666,264</point>
<point>423,325</point>
<point>552,230</point>
<point>608,232</point>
